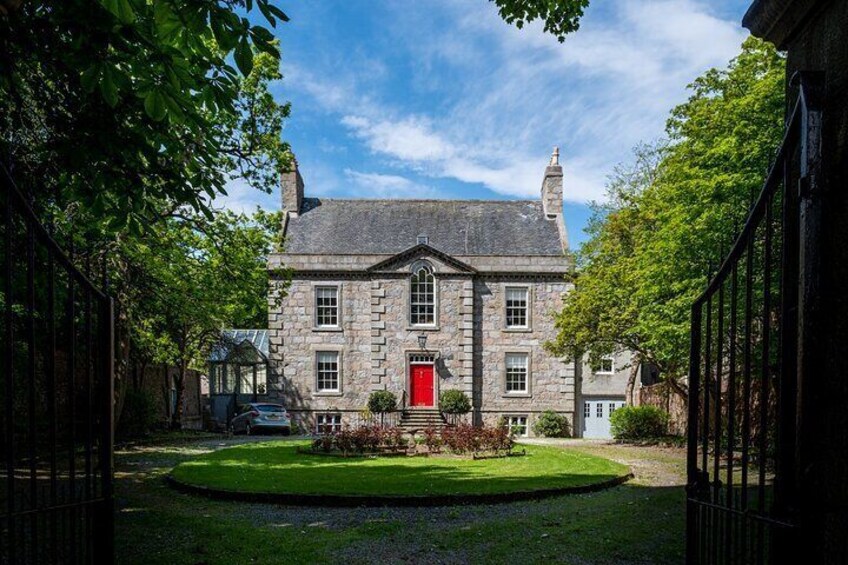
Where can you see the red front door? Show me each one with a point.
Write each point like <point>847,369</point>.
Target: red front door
<point>421,384</point>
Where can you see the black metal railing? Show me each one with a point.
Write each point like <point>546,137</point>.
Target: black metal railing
<point>741,491</point>
<point>57,397</point>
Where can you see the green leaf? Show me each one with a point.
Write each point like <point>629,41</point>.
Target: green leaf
<point>225,35</point>
<point>154,105</point>
<point>174,111</point>
<point>107,86</point>
<point>277,12</point>
<point>263,7</point>
<point>168,24</point>
<point>89,77</point>
<point>244,56</point>
<point>269,48</point>
<point>121,9</point>
<point>261,34</point>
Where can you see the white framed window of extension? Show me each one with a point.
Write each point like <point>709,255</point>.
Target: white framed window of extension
<point>327,307</point>
<point>587,410</point>
<point>517,425</point>
<point>517,373</point>
<point>606,365</point>
<point>327,375</point>
<point>328,423</point>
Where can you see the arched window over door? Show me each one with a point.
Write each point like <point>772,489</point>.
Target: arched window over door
<point>422,296</point>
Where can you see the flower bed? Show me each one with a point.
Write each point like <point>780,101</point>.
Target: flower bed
<point>362,440</point>
<point>462,439</point>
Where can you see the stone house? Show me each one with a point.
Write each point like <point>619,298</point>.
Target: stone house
<point>417,297</point>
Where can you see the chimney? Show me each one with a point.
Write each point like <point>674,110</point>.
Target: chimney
<point>291,187</point>
<point>552,187</point>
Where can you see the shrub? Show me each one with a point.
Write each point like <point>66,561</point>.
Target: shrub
<point>638,422</point>
<point>454,402</point>
<point>432,439</point>
<point>393,438</point>
<point>138,416</point>
<point>495,439</point>
<point>323,443</point>
<point>551,424</point>
<point>382,401</point>
<point>344,440</point>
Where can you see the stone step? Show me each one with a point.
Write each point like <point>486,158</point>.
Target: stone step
<point>416,420</point>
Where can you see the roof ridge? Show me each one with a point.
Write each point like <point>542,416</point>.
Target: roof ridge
<point>533,200</point>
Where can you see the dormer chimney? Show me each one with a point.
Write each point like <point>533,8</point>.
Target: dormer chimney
<point>291,187</point>
<point>552,187</point>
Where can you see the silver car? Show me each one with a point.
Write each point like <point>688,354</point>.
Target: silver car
<point>258,416</point>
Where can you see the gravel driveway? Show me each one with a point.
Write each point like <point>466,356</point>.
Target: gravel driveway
<point>419,534</point>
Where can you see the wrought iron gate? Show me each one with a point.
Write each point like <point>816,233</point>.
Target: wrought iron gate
<point>57,390</point>
<point>741,491</point>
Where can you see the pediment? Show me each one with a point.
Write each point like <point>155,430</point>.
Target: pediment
<point>442,262</point>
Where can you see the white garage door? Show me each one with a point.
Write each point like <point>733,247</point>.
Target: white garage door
<point>596,414</point>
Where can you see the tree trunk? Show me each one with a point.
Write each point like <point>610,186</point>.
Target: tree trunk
<point>631,379</point>
<point>122,361</point>
<point>674,384</point>
<point>177,417</point>
<point>166,392</point>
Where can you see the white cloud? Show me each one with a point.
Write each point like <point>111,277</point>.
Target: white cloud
<point>409,139</point>
<point>502,97</point>
<point>377,185</point>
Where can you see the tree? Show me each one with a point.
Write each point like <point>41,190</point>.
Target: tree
<point>202,276</point>
<point>561,17</point>
<point>129,108</point>
<point>672,215</point>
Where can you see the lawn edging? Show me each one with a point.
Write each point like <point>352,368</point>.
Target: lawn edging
<point>354,501</point>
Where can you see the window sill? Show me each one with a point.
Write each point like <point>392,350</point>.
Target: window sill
<point>517,395</point>
<point>422,328</point>
<point>518,330</point>
<point>327,329</point>
<point>604,373</point>
<point>327,393</point>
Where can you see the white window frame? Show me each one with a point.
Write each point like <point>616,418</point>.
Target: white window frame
<point>316,319</point>
<point>599,409</point>
<point>412,303</point>
<point>587,409</point>
<point>333,420</point>
<point>527,375</point>
<point>337,391</point>
<point>528,310</point>
<point>514,421</point>
<point>600,370</point>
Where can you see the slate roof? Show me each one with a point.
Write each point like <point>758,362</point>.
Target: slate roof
<point>230,339</point>
<point>455,227</point>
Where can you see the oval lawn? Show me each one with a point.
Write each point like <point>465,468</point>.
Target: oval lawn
<point>276,467</point>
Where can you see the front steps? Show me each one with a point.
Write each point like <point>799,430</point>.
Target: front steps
<point>417,420</point>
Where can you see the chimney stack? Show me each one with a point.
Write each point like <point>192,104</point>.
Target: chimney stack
<point>552,187</point>
<point>291,187</point>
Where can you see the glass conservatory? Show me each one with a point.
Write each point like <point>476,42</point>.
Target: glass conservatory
<point>238,372</point>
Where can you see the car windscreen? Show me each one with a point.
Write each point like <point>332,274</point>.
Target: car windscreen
<point>270,408</point>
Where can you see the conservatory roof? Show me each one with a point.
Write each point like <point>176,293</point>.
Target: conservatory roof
<point>233,339</point>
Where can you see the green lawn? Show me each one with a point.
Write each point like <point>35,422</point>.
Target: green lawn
<point>277,467</point>
<point>639,522</point>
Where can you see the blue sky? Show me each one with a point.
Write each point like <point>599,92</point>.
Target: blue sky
<point>442,99</point>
